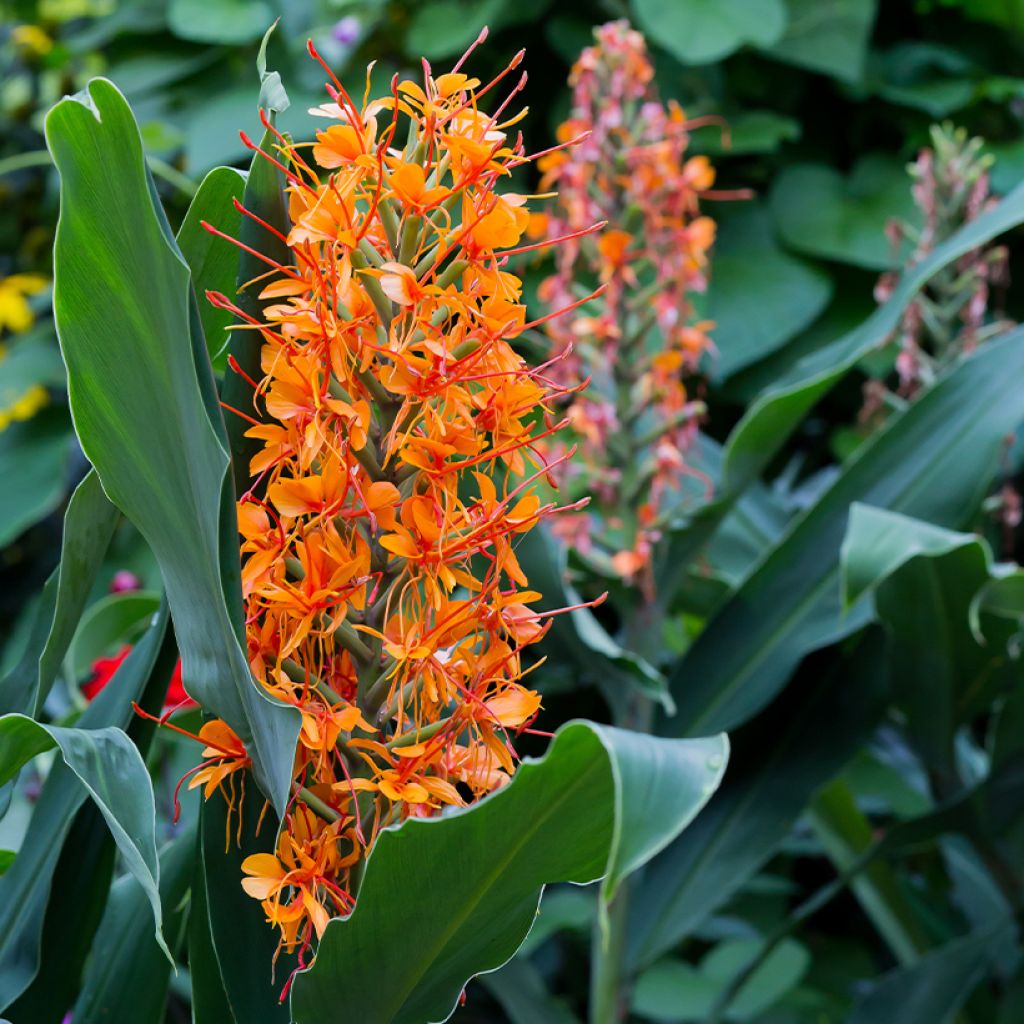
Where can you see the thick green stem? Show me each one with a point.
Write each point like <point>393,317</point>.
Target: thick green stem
<point>609,987</point>
<point>610,983</point>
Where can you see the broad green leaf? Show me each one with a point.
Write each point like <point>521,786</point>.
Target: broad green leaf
<point>445,28</point>
<point>674,991</point>
<point>113,773</point>
<point>128,974</point>
<point>244,943</point>
<point>273,95</point>
<point>933,462</point>
<point>1002,597</point>
<point>925,582</point>
<point>1006,13</point>
<point>844,314</point>
<point>34,456</point>
<point>933,989</point>
<point>778,762</point>
<point>219,21</point>
<point>519,988</point>
<point>108,623</point>
<point>209,1000</point>
<point>25,886</point>
<point>926,76</point>
<point>81,879</point>
<point>819,212</point>
<point>759,296</point>
<point>830,36</point>
<point>212,260</point>
<point>88,526</point>
<point>878,543</point>
<point>564,908</point>
<point>598,805</point>
<point>701,31</point>
<point>125,313</point>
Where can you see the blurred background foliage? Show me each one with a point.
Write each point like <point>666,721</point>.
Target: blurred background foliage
<point>824,104</point>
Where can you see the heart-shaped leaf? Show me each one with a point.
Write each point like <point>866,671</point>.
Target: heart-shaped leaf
<point>701,31</point>
<point>821,213</point>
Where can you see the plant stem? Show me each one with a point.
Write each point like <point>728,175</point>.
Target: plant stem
<point>610,983</point>
<point>608,1002</point>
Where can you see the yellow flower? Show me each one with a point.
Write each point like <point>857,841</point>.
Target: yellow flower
<point>25,407</point>
<point>15,312</point>
<point>32,39</point>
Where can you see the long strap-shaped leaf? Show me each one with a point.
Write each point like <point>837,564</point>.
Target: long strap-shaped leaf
<point>88,526</point>
<point>934,462</point>
<point>446,899</point>
<point>25,887</point>
<point>142,396</point>
<point>113,773</point>
<point>770,420</point>
<point>778,761</point>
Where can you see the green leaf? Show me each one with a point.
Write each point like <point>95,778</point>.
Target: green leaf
<point>925,583</point>
<point>766,425</point>
<point>209,1000</point>
<point>113,773</point>
<point>768,422</point>
<point>81,878</point>
<point>702,31</point>
<point>879,542</point>
<point>925,76</point>
<point>778,762</point>
<point>674,991</point>
<point>88,526</point>
<point>1006,13</point>
<point>244,943</point>
<point>219,21</point>
<point>128,974</point>
<point>125,312</point>
<point>25,886</point>
<point>759,296</point>
<point>933,462</point>
<point>34,456</point>
<point>520,990</point>
<point>830,36</point>
<point>933,989</point>
<point>821,213</point>
<point>447,27</point>
<point>213,260</point>
<point>598,805</point>
<point>113,620</point>
<point>273,96</point>
<point>846,834</point>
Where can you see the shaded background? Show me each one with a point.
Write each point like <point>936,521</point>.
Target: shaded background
<point>825,102</point>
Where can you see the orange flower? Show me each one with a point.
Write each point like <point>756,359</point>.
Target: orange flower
<point>399,458</point>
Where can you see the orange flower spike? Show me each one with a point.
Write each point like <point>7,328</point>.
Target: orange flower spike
<point>632,171</point>
<point>380,601</point>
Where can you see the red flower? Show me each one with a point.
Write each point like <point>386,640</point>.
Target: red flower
<point>103,670</point>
